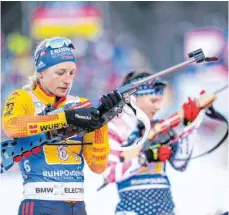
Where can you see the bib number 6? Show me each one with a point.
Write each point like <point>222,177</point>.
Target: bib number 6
<point>62,152</point>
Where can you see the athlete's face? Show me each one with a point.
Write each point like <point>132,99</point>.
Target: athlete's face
<point>57,80</point>
<point>150,104</point>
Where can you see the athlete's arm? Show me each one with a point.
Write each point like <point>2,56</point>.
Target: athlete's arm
<point>18,118</point>
<point>96,155</point>
<point>121,165</point>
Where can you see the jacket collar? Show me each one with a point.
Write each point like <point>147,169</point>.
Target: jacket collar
<point>47,98</point>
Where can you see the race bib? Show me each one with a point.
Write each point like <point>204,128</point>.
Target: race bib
<point>63,154</point>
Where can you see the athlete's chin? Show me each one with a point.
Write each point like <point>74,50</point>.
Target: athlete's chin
<point>152,116</point>
<point>62,93</point>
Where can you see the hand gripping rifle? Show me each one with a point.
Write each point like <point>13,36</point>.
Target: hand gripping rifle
<point>14,150</point>
<point>204,101</point>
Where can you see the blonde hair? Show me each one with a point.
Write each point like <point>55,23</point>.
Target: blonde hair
<point>33,80</point>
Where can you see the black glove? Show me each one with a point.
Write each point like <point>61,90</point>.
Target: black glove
<point>109,101</point>
<point>86,118</point>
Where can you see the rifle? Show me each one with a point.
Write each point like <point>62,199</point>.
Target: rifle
<point>14,150</point>
<point>205,102</point>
